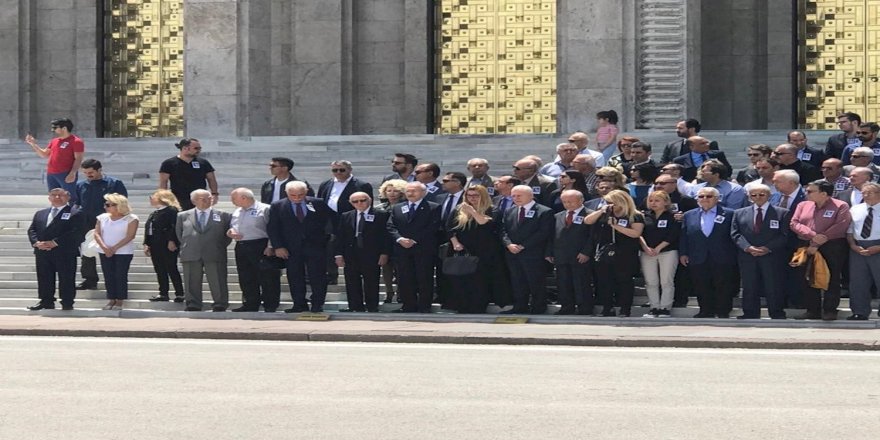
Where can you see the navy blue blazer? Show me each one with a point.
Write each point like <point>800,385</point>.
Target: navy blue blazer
<point>774,229</point>
<point>307,237</point>
<point>717,248</point>
<point>423,227</point>
<point>67,230</point>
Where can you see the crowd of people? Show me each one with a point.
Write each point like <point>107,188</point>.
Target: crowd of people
<point>792,227</point>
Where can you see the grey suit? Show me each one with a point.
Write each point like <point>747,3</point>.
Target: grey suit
<point>203,250</point>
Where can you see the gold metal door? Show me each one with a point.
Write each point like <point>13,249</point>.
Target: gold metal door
<point>143,68</point>
<point>837,60</point>
<point>496,66</point>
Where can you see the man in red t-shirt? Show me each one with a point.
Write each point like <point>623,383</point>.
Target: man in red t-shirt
<point>65,153</point>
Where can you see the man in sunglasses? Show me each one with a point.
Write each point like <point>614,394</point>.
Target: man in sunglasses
<point>862,157</point>
<point>336,191</point>
<point>90,196</point>
<point>786,154</point>
<point>65,153</point>
<point>363,245</point>
<point>281,169</point>
<point>867,134</point>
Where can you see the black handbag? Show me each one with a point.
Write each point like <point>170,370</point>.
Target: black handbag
<point>605,252</point>
<point>460,263</point>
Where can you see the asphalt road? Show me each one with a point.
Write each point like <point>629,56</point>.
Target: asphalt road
<point>83,388</point>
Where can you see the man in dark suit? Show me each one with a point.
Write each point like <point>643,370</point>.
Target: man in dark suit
<point>299,227</point>
<point>273,189</point>
<point>810,155</point>
<point>503,199</point>
<point>362,247</point>
<point>786,154</point>
<point>55,234</point>
<point>413,226</point>
<point>569,250</point>
<point>707,250</point>
<point>761,233</point>
<point>684,130</point>
<point>403,167</point>
<point>427,174</point>
<point>525,232</point>
<point>669,184</point>
<point>700,153</point>
<point>336,192</point>
<point>526,170</point>
<point>602,189</point>
<point>848,123</point>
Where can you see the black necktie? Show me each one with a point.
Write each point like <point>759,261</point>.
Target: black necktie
<point>759,219</point>
<point>450,202</point>
<point>869,220</point>
<point>360,230</point>
<point>412,211</point>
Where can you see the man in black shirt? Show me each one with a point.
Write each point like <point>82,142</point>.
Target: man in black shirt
<point>186,173</point>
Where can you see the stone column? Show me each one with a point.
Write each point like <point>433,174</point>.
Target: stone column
<point>11,117</point>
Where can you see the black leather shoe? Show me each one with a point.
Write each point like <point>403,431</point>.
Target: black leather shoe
<point>178,299</point>
<point>270,309</point>
<point>66,307</point>
<point>86,286</point>
<point>41,306</point>
<point>218,309</point>
<point>245,309</point>
<point>857,317</point>
<point>702,315</point>
<point>564,312</point>
<point>608,312</point>
<point>747,317</point>
<point>332,282</point>
<point>723,316</point>
<point>808,315</point>
<point>159,298</point>
<point>372,310</point>
<point>317,309</point>
<point>829,316</point>
<point>347,310</point>
<point>192,309</point>
<point>296,309</point>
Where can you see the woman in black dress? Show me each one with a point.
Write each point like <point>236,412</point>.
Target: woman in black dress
<point>475,231</point>
<point>619,223</point>
<point>160,243</point>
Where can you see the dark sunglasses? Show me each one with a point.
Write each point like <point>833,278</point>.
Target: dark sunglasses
<point>703,196</point>
<point>759,195</point>
<point>339,170</point>
<point>863,132</point>
<point>665,183</point>
<point>107,205</point>
<point>360,201</point>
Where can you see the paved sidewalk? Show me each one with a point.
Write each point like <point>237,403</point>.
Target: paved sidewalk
<point>460,331</point>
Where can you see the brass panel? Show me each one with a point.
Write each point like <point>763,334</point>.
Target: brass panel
<point>143,65</point>
<point>837,61</point>
<point>496,66</point>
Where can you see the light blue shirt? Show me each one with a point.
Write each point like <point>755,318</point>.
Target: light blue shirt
<point>733,196</point>
<point>707,220</point>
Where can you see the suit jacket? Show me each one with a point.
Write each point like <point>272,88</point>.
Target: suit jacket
<point>269,187</point>
<point>593,204</point>
<point>435,191</point>
<point>679,147</point>
<point>542,187</point>
<point>496,203</point>
<point>807,172</point>
<point>376,240</point>
<point>689,172</point>
<point>835,145</point>
<point>449,222</point>
<point>160,228</point>
<point>354,185</point>
<point>533,234</point>
<point>799,197</point>
<point>423,227</point>
<point>717,248</point>
<point>67,230</point>
<point>569,241</point>
<point>207,244</point>
<point>742,230</point>
<point>487,181</point>
<point>307,237</point>
<point>814,157</point>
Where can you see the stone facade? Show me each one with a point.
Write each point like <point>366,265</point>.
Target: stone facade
<point>310,67</point>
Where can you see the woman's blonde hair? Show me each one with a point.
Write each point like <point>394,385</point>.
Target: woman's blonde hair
<point>398,184</point>
<point>166,198</point>
<point>482,206</point>
<point>662,195</point>
<point>622,199</point>
<point>120,201</point>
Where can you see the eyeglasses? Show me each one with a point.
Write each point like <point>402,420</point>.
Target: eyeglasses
<point>108,204</point>
<point>572,140</point>
<point>670,182</point>
<point>864,132</point>
<point>781,153</point>
<point>858,155</point>
<point>704,196</point>
<point>338,170</point>
<point>759,195</point>
<point>446,180</point>
<point>360,201</point>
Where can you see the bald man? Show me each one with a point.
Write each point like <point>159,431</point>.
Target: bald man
<point>699,153</point>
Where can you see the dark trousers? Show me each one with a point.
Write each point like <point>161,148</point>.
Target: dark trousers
<point>715,286</point>
<point>297,267</point>
<point>415,284</point>
<point>165,266</point>
<point>115,271</point>
<point>814,301</point>
<point>88,266</point>
<point>527,276</point>
<point>615,285</point>
<point>332,269</point>
<point>575,281</point>
<point>362,281</point>
<point>761,276</point>
<point>49,265</point>
<point>258,285</point>
<point>684,287</point>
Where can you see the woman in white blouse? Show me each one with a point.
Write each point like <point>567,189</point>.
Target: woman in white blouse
<point>114,233</point>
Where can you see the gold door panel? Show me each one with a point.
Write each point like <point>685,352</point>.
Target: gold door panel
<point>496,66</point>
<point>837,61</point>
<point>143,65</point>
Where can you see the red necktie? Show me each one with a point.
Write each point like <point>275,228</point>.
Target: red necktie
<point>759,219</point>
<point>569,219</point>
